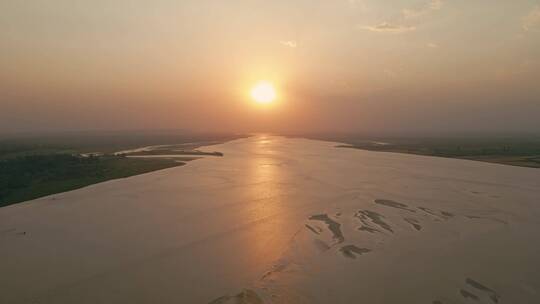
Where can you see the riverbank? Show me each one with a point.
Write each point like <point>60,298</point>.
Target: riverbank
<point>35,167</point>
<point>513,151</point>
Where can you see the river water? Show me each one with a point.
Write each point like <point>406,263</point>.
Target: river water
<point>282,220</point>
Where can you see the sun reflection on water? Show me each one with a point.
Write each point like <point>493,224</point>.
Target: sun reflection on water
<point>267,203</point>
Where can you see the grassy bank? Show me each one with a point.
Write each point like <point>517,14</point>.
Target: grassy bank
<point>515,151</point>
<point>28,177</point>
<point>33,166</point>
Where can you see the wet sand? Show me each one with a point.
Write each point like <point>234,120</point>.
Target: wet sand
<point>281,220</point>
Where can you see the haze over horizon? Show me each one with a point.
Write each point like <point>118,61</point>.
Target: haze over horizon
<point>401,66</point>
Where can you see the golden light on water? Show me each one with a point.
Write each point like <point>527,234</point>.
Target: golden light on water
<point>263,92</point>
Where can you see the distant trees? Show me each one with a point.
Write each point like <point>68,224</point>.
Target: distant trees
<point>27,177</point>
<point>22,171</point>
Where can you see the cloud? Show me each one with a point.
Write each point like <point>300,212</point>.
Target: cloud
<point>358,4</point>
<point>433,5</point>
<point>531,22</point>
<point>386,27</point>
<point>436,4</point>
<point>432,45</point>
<point>400,24</point>
<point>289,43</point>
<point>390,73</point>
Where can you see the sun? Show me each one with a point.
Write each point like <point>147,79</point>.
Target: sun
<point>263,92</point>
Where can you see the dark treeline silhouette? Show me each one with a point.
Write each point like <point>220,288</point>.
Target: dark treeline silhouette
<point>27,177</point>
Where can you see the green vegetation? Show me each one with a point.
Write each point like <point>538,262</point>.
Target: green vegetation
<point>28,177</point>
<point>32,166</point>
<point>103,142</point>
<point>515,151</point>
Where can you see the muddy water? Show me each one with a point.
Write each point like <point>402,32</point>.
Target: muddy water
<point>281,220</point>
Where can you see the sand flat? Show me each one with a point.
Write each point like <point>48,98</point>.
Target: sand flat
<point>283,220</point>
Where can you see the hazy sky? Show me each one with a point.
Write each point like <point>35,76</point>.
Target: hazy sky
<point>338,65</point>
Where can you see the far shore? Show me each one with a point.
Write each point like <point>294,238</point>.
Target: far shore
<point>521,151</point>
<point>530,161</point>
<point>30,173</point>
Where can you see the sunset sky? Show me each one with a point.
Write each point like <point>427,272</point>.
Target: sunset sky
<point>405,66</point>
